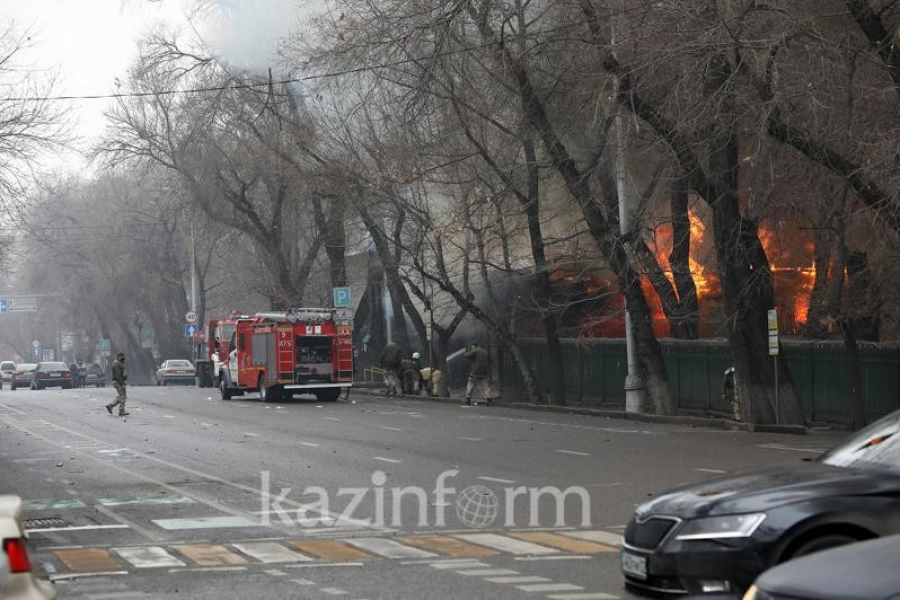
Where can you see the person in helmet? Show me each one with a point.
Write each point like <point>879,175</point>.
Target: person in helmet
<point>411,374</point>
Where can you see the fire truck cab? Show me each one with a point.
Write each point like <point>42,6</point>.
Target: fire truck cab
<point>297,351</point>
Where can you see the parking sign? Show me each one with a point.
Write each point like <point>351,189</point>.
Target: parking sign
<point>341,297</point>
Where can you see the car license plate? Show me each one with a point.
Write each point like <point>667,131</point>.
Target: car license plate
<point>55,374</point>
<point>634,565</point>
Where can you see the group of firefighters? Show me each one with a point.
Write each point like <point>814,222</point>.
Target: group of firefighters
<point>406,374</point>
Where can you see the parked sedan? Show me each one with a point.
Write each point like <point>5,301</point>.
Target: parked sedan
<point>863,571</point>
<point>51,374</point>
<point>22,375</point>
<point>175,371</point>
<point>94,375</point>
<point>719,535</point>
<point>20,581</point>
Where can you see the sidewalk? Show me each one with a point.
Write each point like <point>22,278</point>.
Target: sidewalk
<point>711,422</point>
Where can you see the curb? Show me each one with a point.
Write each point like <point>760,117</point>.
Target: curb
<point>609,413</point>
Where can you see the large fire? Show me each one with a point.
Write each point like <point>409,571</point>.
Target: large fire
<point>793,273</point>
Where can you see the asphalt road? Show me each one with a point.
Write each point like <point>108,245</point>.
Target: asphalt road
<point>193,497</point>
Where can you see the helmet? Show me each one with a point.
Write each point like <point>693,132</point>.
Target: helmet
<point>416,356</point>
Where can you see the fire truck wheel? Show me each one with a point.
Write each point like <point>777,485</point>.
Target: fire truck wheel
<point>266,394</point>
<point>223,388</point>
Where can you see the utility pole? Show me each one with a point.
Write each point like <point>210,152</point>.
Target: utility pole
<point>635,398</point>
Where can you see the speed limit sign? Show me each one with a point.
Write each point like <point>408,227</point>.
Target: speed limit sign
<point>190,317</point>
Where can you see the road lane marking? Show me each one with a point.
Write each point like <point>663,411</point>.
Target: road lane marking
<point>487,572</point>
<point>392,429</point>
<point>718,471</point>
<point>387,460</point>
<point>330,550</point>
<point>601,537</point>
<point>518,579</point>
<point>507,544</point>
<point>168,417</point>
<point>471,439</point>
<point>388,548</point>
<point>445,544</point>
<point>450,564</point>
<point>553,557</point>
<point>151,535</point>
<point>148,557</point>
<point>497,480</point>
<point>791,448</point>
<point>70,576</point>
<point>248,434</point>
<point>91,559</point>
<point>303,582</point>
<point>77,528</point>
<point>573,452</point>
<point>210,555</point>
<point>549,587</point>
<point>334,591</point>
<point>271,552</point>
<point>148,500</point>
<point>205,523</point>
<point>331,418</point>
<point>584,596</point>
<point>554,540</point>
<point>310,444</point>
<point>62,504</point>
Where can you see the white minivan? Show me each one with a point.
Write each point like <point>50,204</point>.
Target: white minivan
<point>7,368</point>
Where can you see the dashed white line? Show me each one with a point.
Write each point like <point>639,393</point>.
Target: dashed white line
<point>248,434</point>
<point>549,587</point>
<point>488,572</point>
<point>334,591</point>
<point>709,470</point>
<point>205,425</point>
<point>584,596</point>
<point>518,579</point>
<point>471,439</point>
<point>567,557</point>
<point>573,452</point>
<point>392,429</point>
<point>331,418</point>
<point>310,444</point>
<point>168,417</point>
<point>387,460</point>
<point>496,479</point>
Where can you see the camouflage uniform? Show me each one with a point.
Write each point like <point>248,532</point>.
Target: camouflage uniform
<point>119,381</point>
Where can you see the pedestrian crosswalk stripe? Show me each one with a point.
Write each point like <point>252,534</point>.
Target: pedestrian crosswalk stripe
<point>270,552</point>
<point>447,545</point>
<point>599,536</point>
<point>210,555</point>
<point>554,540</point>
<point>65,503</point>
<point>506,544</point>
<point>330,550</point>
<point>88,560</point>
<point>149,557</point>
<point>145,500</point>
<point>389,548</point>
<point>205,523</point>
<point>549,587</point>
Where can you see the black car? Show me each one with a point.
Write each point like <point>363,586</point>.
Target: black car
<point>51,374</point>
<point>719,535</point>
<point>863,571</point>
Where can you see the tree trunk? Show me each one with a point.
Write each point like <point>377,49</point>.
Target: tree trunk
<point>854,367</point>
<point>685,320</point>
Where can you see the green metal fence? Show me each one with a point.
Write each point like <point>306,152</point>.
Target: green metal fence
<point>595,374</point>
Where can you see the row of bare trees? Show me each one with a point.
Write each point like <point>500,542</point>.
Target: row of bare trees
<point>469,150</point>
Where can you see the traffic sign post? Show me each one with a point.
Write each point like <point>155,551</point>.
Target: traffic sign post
<point>4,305</point>
<point>190,329</point>
<point>341,297</point>
<point>772,318</point>
<point>190,317</point>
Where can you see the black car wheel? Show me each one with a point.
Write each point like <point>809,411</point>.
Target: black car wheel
<point>223,388</point>
<point>823,542</point>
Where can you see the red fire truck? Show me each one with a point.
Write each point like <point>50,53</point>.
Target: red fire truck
<point>279,354</point>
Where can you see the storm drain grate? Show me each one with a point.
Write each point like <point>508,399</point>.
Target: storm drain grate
<point>44,523</point>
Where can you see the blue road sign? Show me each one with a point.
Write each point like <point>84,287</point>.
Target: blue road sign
<point>4,305</point>
<point>341,297</point>
<point>190,329</point>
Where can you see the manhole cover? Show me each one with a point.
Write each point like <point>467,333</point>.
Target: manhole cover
<point>44,523</point>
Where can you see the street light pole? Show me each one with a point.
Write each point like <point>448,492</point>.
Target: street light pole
<point>635,398</point>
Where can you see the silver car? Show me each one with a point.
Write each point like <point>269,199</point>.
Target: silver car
<point>20,582</point>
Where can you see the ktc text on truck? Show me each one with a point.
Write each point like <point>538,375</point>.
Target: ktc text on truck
<point>298,351</point>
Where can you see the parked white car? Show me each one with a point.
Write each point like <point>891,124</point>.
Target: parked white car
<point>19,581</point>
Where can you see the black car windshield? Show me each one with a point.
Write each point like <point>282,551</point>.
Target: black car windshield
<point>874,447</point>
